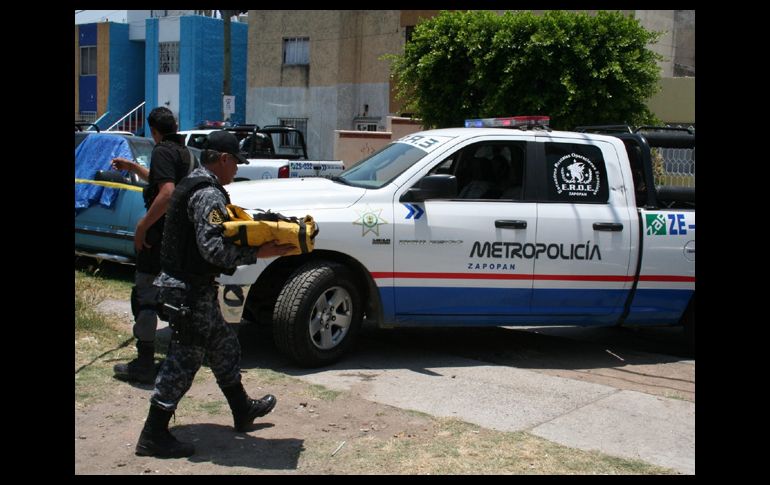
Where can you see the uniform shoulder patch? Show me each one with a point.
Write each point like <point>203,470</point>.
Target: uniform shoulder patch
<point>216,216</point>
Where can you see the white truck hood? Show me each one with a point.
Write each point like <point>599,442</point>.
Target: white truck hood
<point>298,193</point>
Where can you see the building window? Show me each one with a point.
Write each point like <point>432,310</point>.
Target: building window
<point>158,13</point>
<point>409,31</point>
<point>169,58</point>
<point>366,122</point>
<point>88,61</point>
<point>296,51</point>
<point>290,139</point>
<point>87,116</point>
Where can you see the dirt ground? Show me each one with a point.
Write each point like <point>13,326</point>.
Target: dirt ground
<point>308,421</point>
<point>106,432</point>
<point>313,430</point>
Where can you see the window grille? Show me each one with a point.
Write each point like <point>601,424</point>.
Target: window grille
<point>296,51</point>
<point>87,116</point>
<point>168,62</point>
<point>290,139</point>
<point>88,61</point>
<point>366,126</point>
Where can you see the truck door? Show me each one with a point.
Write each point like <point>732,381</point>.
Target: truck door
<point>585,231</point>
<point>457,260</point>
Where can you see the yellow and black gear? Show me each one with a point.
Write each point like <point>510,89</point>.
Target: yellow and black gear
<point>245,230</point>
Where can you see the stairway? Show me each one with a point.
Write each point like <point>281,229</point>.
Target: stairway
<point>133,121</point>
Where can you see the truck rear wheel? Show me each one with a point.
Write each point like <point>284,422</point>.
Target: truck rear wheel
<point>317,314</point>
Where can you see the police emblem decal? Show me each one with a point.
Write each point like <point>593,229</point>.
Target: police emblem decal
<point>576,175</point>
<point>370,221</point>
<point>216,217</point>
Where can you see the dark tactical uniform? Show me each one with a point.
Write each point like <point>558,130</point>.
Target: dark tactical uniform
<point>194,253</point>
<point>170,163</point>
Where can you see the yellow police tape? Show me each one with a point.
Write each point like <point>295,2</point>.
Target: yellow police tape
<point>112,185</point>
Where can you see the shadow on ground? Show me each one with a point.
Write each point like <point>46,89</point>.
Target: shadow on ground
<point>105,269</point>
<point>223,447</point>
<point>566,348</point>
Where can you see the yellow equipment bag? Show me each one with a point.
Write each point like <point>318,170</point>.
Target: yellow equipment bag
<point>244,230</point>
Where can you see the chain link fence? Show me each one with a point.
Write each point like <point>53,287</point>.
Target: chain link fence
<point>674,166</point>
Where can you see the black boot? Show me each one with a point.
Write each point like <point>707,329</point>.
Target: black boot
<point>143,368</point>
<point>246,410</point>
<point>156,440</point>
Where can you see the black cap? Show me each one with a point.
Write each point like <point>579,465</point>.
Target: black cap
<point>224,142</point>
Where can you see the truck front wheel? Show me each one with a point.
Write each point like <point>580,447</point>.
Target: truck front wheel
<point>317,314</point>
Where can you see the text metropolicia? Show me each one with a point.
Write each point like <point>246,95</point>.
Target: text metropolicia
<point>511,250</point>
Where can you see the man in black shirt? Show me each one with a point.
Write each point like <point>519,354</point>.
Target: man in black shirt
<point>170,162</point>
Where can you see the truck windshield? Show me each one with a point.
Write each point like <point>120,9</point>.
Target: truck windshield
<point>382,166</point>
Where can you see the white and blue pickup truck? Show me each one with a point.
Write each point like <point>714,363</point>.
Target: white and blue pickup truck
<point>473,227</point>
<point>271,152</point>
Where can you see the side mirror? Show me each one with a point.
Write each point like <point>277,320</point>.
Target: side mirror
<point>441,186</point>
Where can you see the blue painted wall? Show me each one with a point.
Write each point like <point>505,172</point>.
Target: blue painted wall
<point>126,73</point>
<point>201,68</point>
<point>239,44</point>
<point>87,84</point>
<point>151,70</point>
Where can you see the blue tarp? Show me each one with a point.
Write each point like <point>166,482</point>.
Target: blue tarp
<point>93,154</point>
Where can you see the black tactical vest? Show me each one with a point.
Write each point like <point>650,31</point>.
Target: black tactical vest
<point>179,256</point>
<point>185,163</point>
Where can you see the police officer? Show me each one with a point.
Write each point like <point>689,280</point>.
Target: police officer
<point>170,161</point>
<point>194,252</point>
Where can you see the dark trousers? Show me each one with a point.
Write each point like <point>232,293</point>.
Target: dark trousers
<point>203,333</point>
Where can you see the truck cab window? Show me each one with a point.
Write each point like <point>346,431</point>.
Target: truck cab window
<point>487,171</point>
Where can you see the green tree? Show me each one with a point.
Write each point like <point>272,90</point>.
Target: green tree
<point>576,68</point>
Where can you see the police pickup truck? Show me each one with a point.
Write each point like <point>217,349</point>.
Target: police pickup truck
<point>474,227</point>
<point>272,152</point>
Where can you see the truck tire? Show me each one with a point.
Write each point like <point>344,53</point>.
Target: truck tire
<point>688,321</point>
<point>317,314</point>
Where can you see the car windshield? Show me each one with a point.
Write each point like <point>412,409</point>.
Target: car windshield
<point>382,166</point>
<point>142,148</point>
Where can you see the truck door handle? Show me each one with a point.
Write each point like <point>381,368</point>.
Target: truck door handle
<point>511,224</point>
<point>608,226</point>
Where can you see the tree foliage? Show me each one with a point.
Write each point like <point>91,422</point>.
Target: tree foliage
<point>576,68</point>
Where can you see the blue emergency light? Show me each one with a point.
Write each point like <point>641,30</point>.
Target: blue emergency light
<point>509,122</point>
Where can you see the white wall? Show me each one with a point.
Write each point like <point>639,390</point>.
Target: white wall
<point>326,108</point>
<point>661,21</point>
<point>168,84</point>
<point>168,29</point>
<point>136,24</point>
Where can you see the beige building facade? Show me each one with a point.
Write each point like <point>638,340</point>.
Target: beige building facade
<point>323,70</point>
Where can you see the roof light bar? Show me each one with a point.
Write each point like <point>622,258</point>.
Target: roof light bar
<point>510,122</point>
<point>214,124</point>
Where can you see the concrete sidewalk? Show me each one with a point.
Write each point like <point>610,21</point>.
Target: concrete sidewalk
<point>570,412</point>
